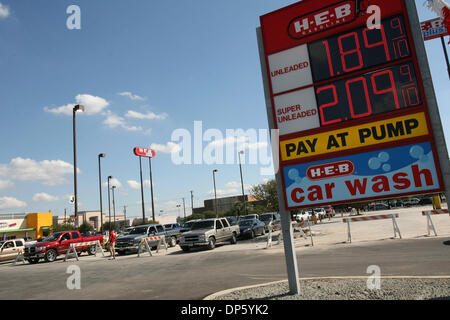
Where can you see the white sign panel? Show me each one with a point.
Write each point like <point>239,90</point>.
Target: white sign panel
<point>296,111</point>
<point>290,69</point>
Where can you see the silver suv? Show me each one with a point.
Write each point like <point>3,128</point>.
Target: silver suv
<point>206,233</point>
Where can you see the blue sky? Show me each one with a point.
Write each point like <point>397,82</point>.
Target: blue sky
<point>145,68</point>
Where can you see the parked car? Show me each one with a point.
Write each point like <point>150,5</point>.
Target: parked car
<point>187,225</point>
<point>58,243</point>
<point>233,220</point>
<point>208,233</point>
<point>411,202</point>
<point>9,249</point>
<point>273,217</point>
<point>379,206</point>
<point>132,241</point>
<point>426,200</point>
<point>250,228</point>
<point>172,226</point>
<point>249,216</point>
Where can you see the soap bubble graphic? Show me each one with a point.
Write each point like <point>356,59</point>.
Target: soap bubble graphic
<point>376,162</point>
<point>294,175</point>
<point>417,152</point>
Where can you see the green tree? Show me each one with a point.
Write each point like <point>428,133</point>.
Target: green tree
<point>85,227</point>
<point>267,193</point>
<point>63,227</point>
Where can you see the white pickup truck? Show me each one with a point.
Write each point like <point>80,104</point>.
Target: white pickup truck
<point>209,232</point>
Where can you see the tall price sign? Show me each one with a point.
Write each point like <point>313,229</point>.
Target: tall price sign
<point>349,101</point>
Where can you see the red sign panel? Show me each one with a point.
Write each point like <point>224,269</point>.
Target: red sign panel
<point>330,70</point>
<point>434,28</point>
<point>144,152</point>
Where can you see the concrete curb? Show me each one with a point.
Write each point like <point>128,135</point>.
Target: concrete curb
<point>228,291</point>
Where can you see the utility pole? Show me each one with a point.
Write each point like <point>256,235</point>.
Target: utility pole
<point>184,210</point>
<point>192,201</point>
<point>125,214</point>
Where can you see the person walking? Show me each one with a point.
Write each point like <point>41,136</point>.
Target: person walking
<point>112,243</point>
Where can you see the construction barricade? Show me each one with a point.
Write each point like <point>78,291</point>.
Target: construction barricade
<point>429,213</point>
<point>144,246</point>
<point>73,252</point>
<point>296,228</point>
<point>20,257</point>
<point>372,218</point>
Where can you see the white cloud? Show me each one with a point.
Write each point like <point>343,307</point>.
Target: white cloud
<point>170,147</point>
<point>228,140</point>
<point>147,116</point>
<point>4,11</point>
<point>44,197</point>
<point>11,203</point>
<point>134,184</point>
<point>51,172</point>
<point>113,121</point>
<point>92,105</point>
<point>6,184</point>
<point>113,182</point>
<point>231,188</point>
<point>131,96</point>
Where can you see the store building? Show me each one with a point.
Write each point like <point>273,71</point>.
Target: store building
<point>23,225</point>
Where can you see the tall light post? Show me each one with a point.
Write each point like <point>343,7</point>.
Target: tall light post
<point>76,108</point>
<point>192,201</point>
<point>114,207</point>
<point>184,209</point>
<point>142,190</point>
<point>109,204</point>
<point>215,192</point>
<point>101,155</point>
<point>242,182</point>
<point>178,206</point>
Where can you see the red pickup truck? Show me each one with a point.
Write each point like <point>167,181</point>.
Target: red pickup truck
<point>58,243</point>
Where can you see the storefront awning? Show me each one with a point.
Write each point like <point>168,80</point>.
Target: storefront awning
<point>17,230</point>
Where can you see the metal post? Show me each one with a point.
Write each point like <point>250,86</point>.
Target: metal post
<point>192,201</point>
<point>184,210</point>
<point>310,233</point>
<point>430,95</point>
<point>114,207</point>
<point>215,194</point>
<point>349,234</point>
<point>75,169</point>
<point>142,190</point>
<point>151,188</point>
<point>242,184</point>
<point>289,248</point>
<point>109,206</point>
<point>125,214</point>
<point>101,155</point>
<point>444,46</point>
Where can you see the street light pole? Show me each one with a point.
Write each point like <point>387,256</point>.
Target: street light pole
<point>75,109</point>
<point>242,182</point>
<point>101,155</point>
<point>114,207</point>
<point>178,206</point>
<point>109,205</point>
<point>184,209</point>
<point>215,193</point>
<point>151,187</point>
<point>192,201</point>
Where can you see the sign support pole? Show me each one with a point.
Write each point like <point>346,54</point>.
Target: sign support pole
<point>430,96</point>
<point>142,190</point>
<point>289,247</point>
<point>446,55</point>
